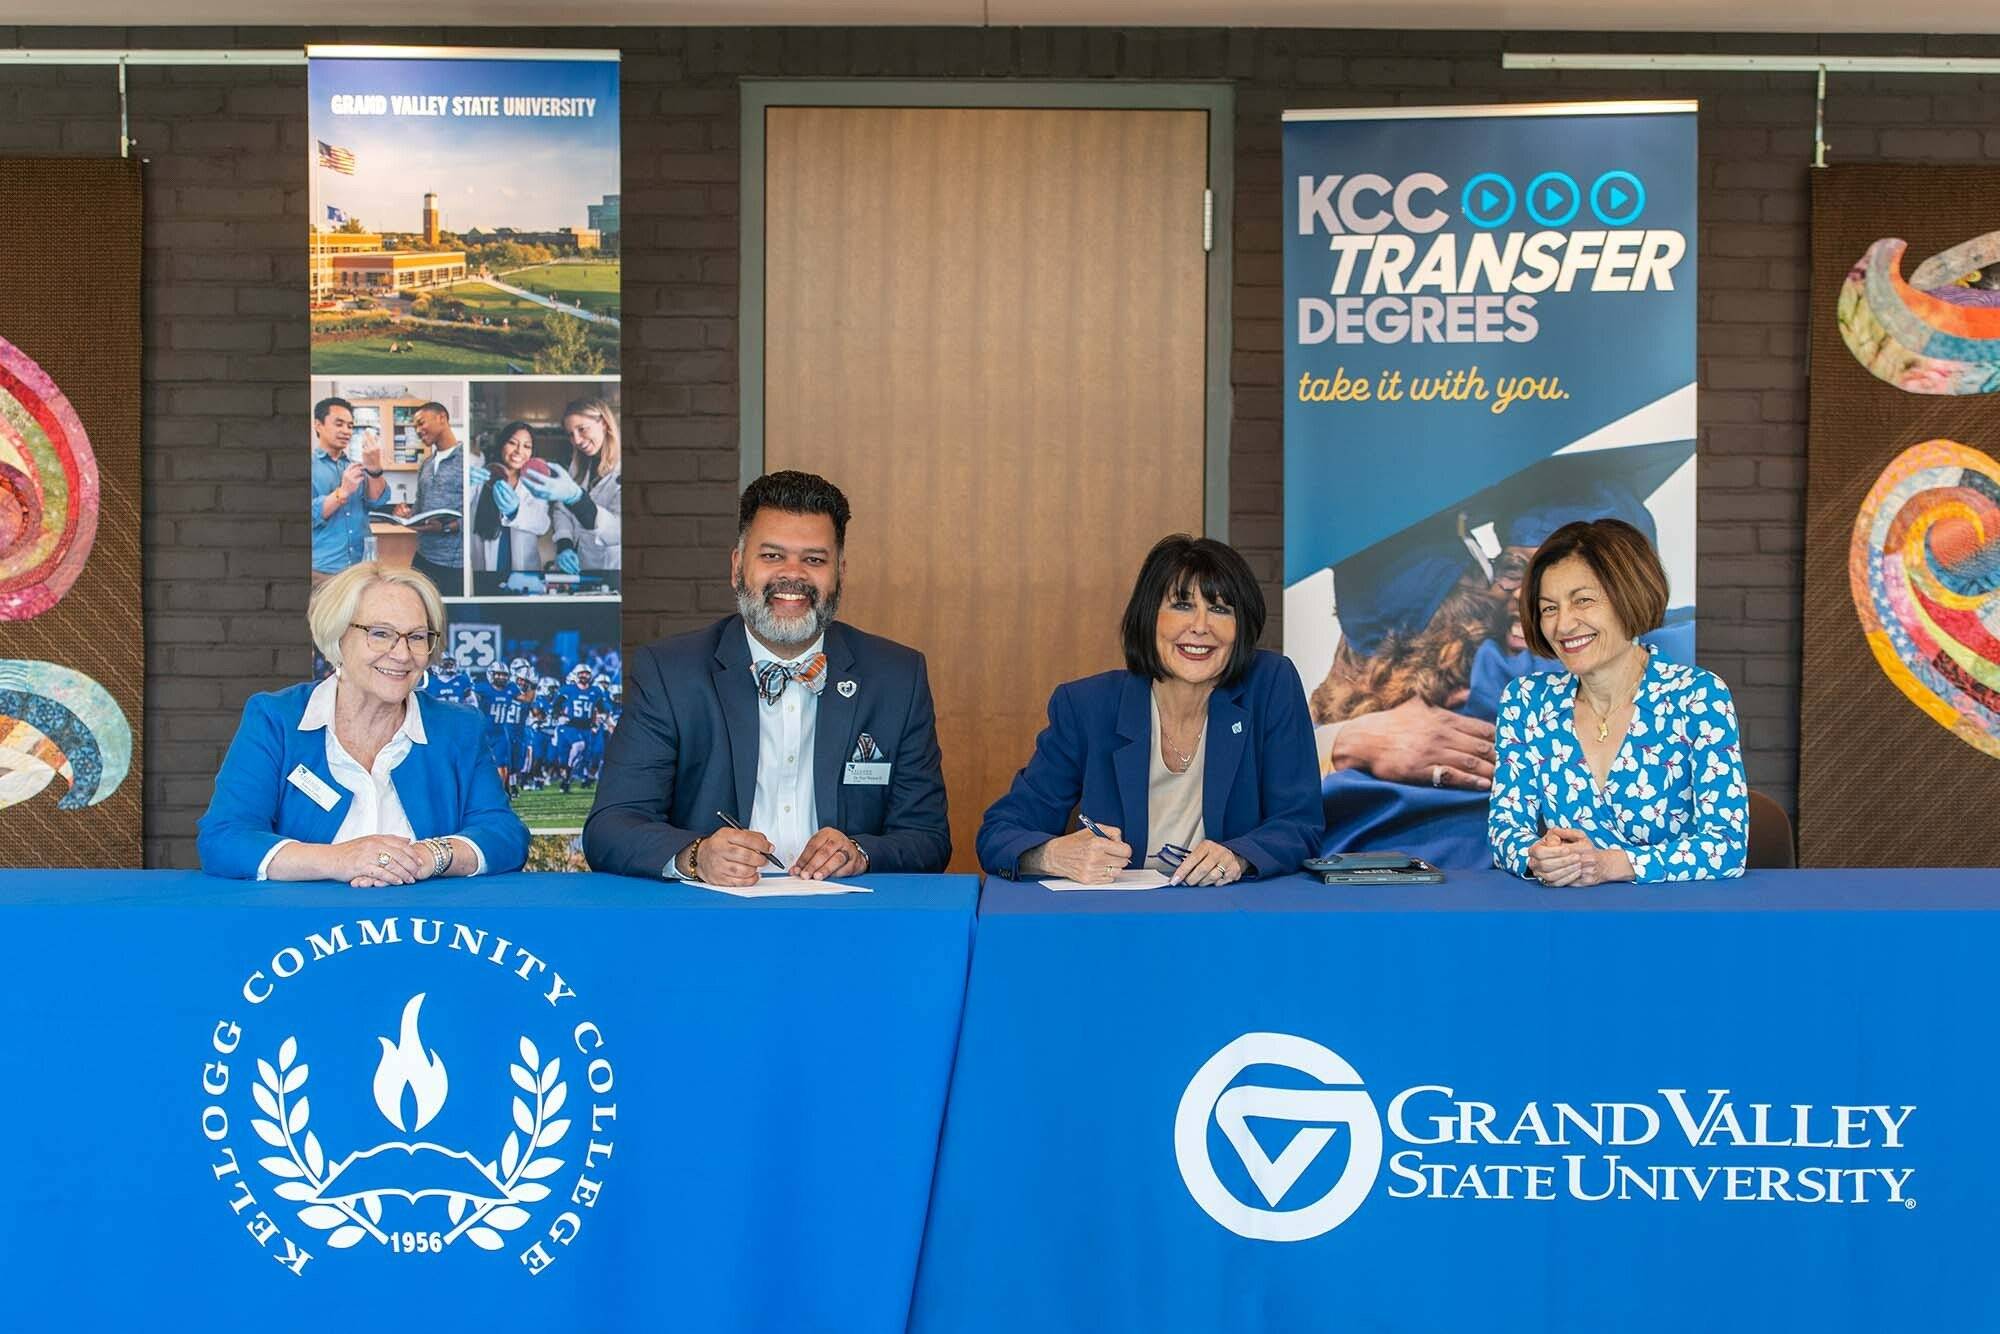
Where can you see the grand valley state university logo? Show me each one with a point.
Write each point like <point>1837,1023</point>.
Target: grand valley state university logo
<point>1320,1113</point>
<point>328,1134</point>
<point>1671,1146</point>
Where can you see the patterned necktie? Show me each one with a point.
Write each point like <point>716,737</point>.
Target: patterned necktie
<point>771,676</point>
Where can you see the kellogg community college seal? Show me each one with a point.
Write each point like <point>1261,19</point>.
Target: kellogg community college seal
<point>411,1087</point>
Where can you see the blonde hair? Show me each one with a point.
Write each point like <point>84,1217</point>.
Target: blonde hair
<point>331,609</point>
<point>586,469</point>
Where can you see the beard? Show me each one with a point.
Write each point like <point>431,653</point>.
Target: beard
<point>793,632</point>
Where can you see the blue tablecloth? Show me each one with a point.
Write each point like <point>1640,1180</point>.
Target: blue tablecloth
<point>1480,1106</point>
<point>737,1110</point>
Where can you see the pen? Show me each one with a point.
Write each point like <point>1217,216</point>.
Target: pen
<point>771,857</point>
<point>1091,825</point>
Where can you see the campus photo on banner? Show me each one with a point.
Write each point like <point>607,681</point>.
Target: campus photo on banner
<point>466,422</point>
<point>72,647</point>
<point>1901,668</point>
<point>1490,332</point>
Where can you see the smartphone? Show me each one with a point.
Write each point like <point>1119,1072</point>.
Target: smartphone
<point>1363,861</point>
<point>1373,868</point>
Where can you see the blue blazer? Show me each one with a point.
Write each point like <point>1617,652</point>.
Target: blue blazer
<point>686,747</point>
<point>1260,781</point>
<point>447,786</point>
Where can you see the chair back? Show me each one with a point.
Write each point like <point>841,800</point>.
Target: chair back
<point>1771,844</point>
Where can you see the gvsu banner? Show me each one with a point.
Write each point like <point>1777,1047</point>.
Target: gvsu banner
<point>1490,332</point>
<point>467,416</point>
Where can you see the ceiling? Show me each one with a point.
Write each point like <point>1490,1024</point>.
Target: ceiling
<point>1690,16</point>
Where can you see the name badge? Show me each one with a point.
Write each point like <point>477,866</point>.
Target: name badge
<point>866,774</point>
<point>308,782</point>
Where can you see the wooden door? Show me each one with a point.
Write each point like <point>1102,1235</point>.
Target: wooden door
<point>988,328</point>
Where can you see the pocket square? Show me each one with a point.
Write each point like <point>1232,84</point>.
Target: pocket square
<point>865,750</point>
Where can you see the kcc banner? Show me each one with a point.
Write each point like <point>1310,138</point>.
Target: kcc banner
<point>1490,332</point>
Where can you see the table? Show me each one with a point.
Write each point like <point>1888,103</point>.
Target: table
<point>737,1109</point>
<point>1291,1107</point>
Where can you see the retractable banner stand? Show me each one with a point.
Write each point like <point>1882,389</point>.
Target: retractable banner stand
<point>1490,332</point>
<point>466,408</point>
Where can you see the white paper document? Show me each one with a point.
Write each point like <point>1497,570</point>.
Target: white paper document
<point>783,886</point>
<point>1141,879</point>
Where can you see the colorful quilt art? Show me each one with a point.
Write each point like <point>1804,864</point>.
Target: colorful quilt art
<point>72,633</point>
<point>1899,691</point>
<point>1936,333</point>
<point>1925,568</point>
<point>52,720</point>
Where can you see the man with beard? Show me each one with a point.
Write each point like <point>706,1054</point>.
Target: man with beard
<point>819,740</point>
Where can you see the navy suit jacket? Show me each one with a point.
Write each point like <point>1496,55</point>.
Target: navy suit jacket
<point>447,786</point>
<point>1260,781</point>
<point>686,748</point>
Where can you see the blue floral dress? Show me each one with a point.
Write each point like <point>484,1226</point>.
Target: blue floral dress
<point>1675,800</point>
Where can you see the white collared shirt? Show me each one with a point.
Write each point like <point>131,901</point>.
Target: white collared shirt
<point>784,809</point>
<point>376,809</point>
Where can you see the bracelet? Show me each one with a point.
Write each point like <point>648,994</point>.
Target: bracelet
<point>859,849</point>
<point>442,854</point>
<point>693,852</point>
<point>373,472</point>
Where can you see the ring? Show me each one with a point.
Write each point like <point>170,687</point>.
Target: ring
<point>381,859</point>
<point>1437,775</point>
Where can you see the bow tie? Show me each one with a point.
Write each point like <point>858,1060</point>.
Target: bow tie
<point>771,676</point>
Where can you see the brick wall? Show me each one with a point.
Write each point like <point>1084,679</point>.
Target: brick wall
<point>226,390</point>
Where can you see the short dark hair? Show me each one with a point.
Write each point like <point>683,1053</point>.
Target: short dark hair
<point>326,405</point>
<point>794,493</point>
<point>1179,564</point>
<point>1623,561</point>
<point>434,406</point>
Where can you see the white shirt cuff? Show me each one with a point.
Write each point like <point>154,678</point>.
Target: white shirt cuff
<point>478,854</point>
<point>264,867</point>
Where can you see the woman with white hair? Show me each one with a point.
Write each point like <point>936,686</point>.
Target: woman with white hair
<point>358,778</point>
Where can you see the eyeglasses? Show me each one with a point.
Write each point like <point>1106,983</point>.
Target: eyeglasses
<point>1173,854</point>
<point>382,639</point>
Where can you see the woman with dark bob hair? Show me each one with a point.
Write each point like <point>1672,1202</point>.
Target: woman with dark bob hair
<point>1196,759</point>
<point>1623,767</point>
